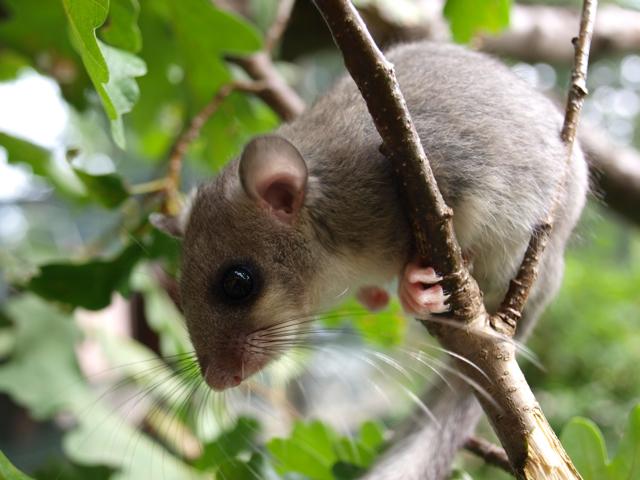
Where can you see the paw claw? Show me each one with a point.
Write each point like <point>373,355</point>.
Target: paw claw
<point>419,291</point>
<point>416,274</point>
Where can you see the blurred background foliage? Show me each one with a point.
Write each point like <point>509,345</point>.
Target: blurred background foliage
<point>97,378</point>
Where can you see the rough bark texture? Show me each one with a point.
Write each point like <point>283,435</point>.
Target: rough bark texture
<point>490,453</point>
<point>520,286</point>
<point>277,94</point>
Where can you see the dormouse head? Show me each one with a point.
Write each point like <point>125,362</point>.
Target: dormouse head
<point>246,261</point>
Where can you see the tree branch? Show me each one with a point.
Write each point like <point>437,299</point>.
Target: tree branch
<point>536,33</point>
<point>190,133</point>
<point>285,7</point>
<point>533,449</point>
<point>541,33</point>
<point>430,217</point>
<point>267,84</point>
<point>278,94</point>
<point>520,286</point>
<point>490,453</point>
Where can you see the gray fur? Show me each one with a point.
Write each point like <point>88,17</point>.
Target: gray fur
<point>495,150</point>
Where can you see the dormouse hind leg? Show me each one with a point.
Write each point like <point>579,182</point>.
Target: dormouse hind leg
<point>373,298</point>
<point>419,291</point>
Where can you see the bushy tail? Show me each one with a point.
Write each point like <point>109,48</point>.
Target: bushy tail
<point>425,450</point>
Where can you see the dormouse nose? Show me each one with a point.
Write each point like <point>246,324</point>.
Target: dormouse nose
<point>221,374</point>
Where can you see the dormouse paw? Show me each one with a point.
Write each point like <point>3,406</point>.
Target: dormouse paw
<point>373,298</point>
<point>419,291</point>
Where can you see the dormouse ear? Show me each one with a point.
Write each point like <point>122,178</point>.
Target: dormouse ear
<point>273,172</point>
<point>168,224</point>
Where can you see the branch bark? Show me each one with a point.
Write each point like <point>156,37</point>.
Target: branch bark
<point>537,33</point>
<point>542,33</point>
<point>521,285</point>
<point>278,95</point>
<point>430,217</point>
<point>490,453</point>
<point>533,449</point>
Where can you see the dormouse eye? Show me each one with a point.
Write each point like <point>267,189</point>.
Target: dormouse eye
<point>238,283</point>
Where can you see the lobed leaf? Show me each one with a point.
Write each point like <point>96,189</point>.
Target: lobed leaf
<point>43,164</point>
<point>111,70</point>
<point>585,445</point>
<point>224,450</point>
<point>11,63</point>
<point>107,189</point>
<point>121,28</point>
<point>8,471</point>
<point>469,17</point>
<point>89,285</point>
<point>315,450</point>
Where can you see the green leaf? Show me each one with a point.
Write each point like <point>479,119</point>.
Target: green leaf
<point>371,435</point>
<point>184,74</point>
<point>10,64</point>
<point>361,451</point>
<point>84,18</point>
<point>43,376</point>
<point>34,29</point>
<point>121,92</point>
<point>309,451</point>
<point>60,469</point>
<point>585,445</point>
<point>111,70</point>
<point>44,349</point>
<point>469,17</point>
<point>346,471</point>
<point>89,285</point>
<point>238,470</point>
<point>315,450</point>
<point>204,35</point>
<point>60,175</point>
<point>107,189</point>
<point>385,328</point>
<point>121,28</point>
<point>240,439</point>
<point>626,464</point>
<point>8,471</point>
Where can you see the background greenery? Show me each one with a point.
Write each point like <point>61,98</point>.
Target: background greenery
<point>115,394</point>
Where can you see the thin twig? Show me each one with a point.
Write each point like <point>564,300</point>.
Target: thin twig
<point>277,28</point>
<point>267,84</point>
<point>489,452</point>
<point>179,149</point>
<point>283,99</point>
<point>578,90</point>
<point>520,287</point>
